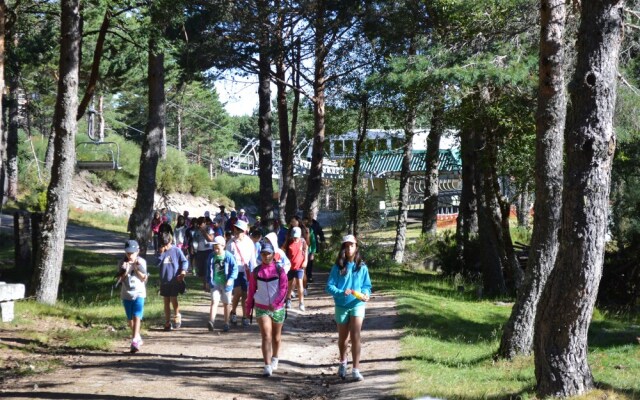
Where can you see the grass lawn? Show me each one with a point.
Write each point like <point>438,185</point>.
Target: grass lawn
<point>450,338</point>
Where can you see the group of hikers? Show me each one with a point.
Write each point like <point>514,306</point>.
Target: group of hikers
<point>249,266</point>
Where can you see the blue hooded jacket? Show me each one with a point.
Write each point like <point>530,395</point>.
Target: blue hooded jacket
<point>359,281</point>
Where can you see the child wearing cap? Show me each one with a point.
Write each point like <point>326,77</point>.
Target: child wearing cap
<point>296,250</point>
<point>173,267</point>
<point>221,273</point>
<point>267,291</point>
<point>244,252</point>
<point>132,274</point>
<point>350,286</point>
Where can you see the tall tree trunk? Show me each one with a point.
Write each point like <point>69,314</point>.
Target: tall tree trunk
<point>467,221</point>
<point>489,216</point>
<point>48,155</point>
<point>363,126</point>
<point>567,301</point>
<point>430,210</point>
<point>179,128</point>
<point>314,182</point>
<point>523,206</point>
<point>12,133</point>
<point>405,172</point>
<point>286,152</point>
<point>265,157</point>
<point>95,67</point>
<point>48,263</point>
<point>291,206</point>
<point>140,221</point>
<point>3,143</point>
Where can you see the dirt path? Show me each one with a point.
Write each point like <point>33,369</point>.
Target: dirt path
<point>193,363</point>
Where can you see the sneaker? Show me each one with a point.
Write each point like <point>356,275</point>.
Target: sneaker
<point>288,304</point>
<point>177,322</point>
<point>225,328</point>
<point>305,292</point>
<point>302,307</point>
<point>274,363</point>
<point>210,326</point>
<point>135,346</point>
<point>234,318</point>
<point>356,375</point>
<point>293,295</point>
<point>245,321</point>
<point>167,326</point>
<point>267,371</point>
<point>342,370</point>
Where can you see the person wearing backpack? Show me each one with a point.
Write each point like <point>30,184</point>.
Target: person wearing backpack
<point>267,291</point>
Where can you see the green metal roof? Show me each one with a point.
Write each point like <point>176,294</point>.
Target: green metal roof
<point>390,161</point>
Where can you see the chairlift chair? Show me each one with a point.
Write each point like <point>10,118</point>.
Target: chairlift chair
<point>98,156</point>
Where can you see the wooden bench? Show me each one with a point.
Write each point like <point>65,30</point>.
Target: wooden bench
<point>9,292</point>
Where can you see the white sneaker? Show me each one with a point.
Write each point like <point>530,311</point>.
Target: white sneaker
<point>302,307</point>
<point>342,370</point>
<point>274,363</point>
<point>267,371</point>
<point>356,375</point>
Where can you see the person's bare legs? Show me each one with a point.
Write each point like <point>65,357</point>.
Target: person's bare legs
<point>135,327</point>
<point>237,292</point>
<point>290,288</point>
<point>265,331</point>
<point>355,326</point>
<point>343,336</point>
<point>243,302</point>
<point>227,312</point>
<point>276,339</point>
<point>299,285</point>
<point>176,309</point>
<point>213,308</point>
<point>167,309</point>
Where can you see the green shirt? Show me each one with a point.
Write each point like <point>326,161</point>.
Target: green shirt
<point>219,276</point>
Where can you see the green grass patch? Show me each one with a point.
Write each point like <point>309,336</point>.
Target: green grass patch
<point>451,337</point>
<point>100,220</point>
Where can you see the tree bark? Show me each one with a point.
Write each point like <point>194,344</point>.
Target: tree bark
<point>567,301</point>
<point>12,132</point>
<point>430,210</point>
<point>517,337</point>
<point>314,182</point>
<point>3,143</point>
<point>95,66</point>
<point>48,265</point>
<point>265,157</point>
<point>140,221</point>
<point>523,206</point>
<point>363,126</point>
<point>405,170</point>
<point>467,221</point>
<point>489,216</point>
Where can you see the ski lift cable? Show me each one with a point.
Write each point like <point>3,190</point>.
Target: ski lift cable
<point>177,106</point>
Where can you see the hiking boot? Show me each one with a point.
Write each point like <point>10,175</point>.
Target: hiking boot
<point>302,307</point>
<point>356,375</point>
<point>288,304</point>
<point>234,318</point>
<point>267,371</point>
<point>342,370</point>
<point>210,326</point>
<point>225,328</point>
<point>274,363</point>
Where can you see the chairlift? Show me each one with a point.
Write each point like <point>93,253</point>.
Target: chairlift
<point>96,155</point>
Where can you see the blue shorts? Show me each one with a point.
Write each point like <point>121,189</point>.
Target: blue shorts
<point>343,314</point>
<point>134,308</point>
<point>295,273</point>
<point>241,281</point>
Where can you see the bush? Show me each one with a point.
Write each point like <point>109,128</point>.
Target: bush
<point>173,172</point>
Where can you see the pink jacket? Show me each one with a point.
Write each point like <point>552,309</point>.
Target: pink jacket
<point>267,286</point>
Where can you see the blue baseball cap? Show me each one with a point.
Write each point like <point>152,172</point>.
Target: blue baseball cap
<point>131,246</point>
<point>267,248</point>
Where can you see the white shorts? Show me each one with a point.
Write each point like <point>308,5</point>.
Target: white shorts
<point>218,293</point>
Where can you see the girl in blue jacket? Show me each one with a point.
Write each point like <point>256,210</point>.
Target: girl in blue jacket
<point>350,286</point>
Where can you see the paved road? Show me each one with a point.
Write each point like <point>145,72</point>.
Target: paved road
<point>81,237</point>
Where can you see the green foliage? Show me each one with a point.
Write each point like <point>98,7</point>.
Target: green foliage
<point>451,336</point>
<point>242,190</point>
<point>171,173</point>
